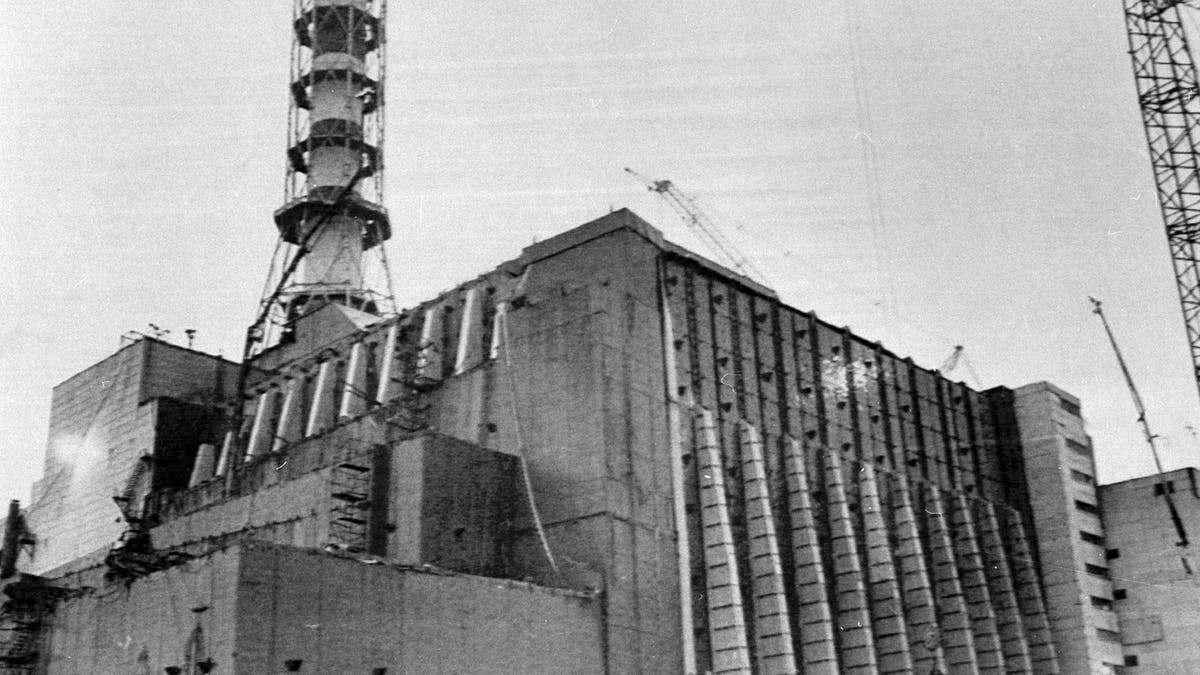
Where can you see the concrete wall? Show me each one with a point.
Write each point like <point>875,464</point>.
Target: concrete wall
<point>146,626</point>
<point>1160,581</point>
<point>257,605</point>
<point>1060,472</point>
<point>339,615</point>
<point>102,421</point>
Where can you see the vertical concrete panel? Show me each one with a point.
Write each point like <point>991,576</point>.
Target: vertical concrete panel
<point>887,606</point>
<point>1029,596</point>
<point>320,416</point>
<point>262,432</point>
<point>1004,598</point>
<point>988,655</point>
<point>388,368</point>
<point>772,625</point>
<point>470,333</point>
<point>818,653</point>
<point>354,393</point>
<point>429,356</point>
<point>957,636</point>
<point>920,608</point>
<point>853,618</point>
<point>205,464</point>
<point>291,421</point>
<point>679,499</point>
<point>727,623</point>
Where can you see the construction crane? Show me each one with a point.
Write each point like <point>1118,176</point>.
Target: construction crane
<point>1141,411</point>
<point>1165,74</point>
<point>695,218</point>
<point>959,356</point>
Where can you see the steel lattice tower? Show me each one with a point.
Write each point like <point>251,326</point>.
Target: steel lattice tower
<point>332,225</point>
<point>1165,73</point>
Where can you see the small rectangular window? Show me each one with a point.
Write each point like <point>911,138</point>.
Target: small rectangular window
<point>1086,507</point>
<point>1131,659</point>
<point>1120,594</point>
<point>1072,408</point>
<point>1091,538</point>
<point>1108,635</point>
<point>1079,448</point>
<point>1102,603</point>
<point>1081,477</point>
<point>1112,553</point>
<point>1097,570</point>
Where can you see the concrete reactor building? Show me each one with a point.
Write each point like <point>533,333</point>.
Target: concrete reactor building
<point>607,455</point>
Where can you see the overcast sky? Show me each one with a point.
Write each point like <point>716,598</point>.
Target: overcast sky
<point>929,173</point>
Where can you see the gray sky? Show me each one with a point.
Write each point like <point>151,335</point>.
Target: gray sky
<point>930,174</point>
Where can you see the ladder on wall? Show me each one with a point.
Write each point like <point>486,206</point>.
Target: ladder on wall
<point>350,484</point>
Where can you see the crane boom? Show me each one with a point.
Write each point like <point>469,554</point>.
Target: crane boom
<point>692,214</point>
<point>1169,98</point>
<point>1141,411</point>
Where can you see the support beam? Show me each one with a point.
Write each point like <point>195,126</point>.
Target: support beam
<point>957,636</point>
<point>988,655</point>
<point>1029,597</point>
<point>818,650</point>
<point>774,653</point>
<point>924,634</point>
<point>263,430</point>
<point>470,332</point>
<point>853,615</point>
<point>1004,596</point>
<point>726,610</point>
<point>883,588</point>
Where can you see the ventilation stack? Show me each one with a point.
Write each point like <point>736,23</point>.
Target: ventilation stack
<point>332,225</point>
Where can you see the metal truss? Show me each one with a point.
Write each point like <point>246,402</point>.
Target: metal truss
<point>1165,74</point>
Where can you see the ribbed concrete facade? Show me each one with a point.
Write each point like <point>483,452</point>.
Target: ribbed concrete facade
<point>747,488</point>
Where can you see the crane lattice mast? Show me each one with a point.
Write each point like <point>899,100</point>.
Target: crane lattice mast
<point>1145,424</point>
<point>1169,97</point>
<point>691,214</point>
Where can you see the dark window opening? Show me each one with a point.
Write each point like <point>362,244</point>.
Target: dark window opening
<point>1112,553</point>
<point>1081,477</point>
<point>1097,570</point>
<point>1091,538</point>
<point>1158,488</point>
<point>1131,659</point>
<point>1102,603</point>
<point>1120,594</point>
<point>1086,507</point>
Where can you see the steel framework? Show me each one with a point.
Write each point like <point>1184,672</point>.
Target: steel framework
<point>334,173</point>
<point>1165,74</point>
